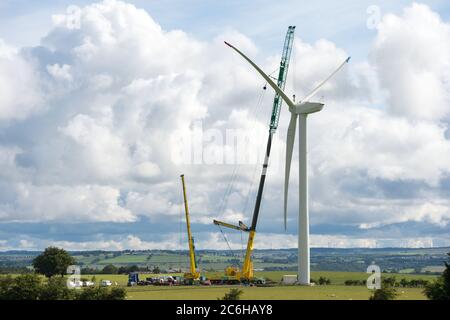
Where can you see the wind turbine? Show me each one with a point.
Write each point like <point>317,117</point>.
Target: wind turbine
<point>300,111</point>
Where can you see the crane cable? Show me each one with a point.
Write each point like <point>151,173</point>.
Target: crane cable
<point>226,240</point>
<point>242,247</point>
<point>236,167</point>
<point>227,194</point>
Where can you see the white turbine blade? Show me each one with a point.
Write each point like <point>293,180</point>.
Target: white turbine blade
<point>265,76</point>
<point>289,148</point>
<point>313,93</point>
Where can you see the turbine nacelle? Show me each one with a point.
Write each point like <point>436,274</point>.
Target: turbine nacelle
<point>306,107</point>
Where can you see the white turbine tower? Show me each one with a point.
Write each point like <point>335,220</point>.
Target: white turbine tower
<point>298,110</point>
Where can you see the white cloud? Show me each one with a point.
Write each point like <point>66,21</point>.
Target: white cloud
<point>147,169</point>
<point>68,204</point>
<point>60,72</point>
<point>411,54</point>
<point>215,241</point>
<point>27,244</point>
<point>352,137</point>
<point>118,89</point>
<point>433,211</point>
<point>102,152</point>
<point>129,242</point>
<point>20,94</point>
<point>3,244</point>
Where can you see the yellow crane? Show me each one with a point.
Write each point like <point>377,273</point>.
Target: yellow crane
<point>233,272</point>
<point>193,275</point>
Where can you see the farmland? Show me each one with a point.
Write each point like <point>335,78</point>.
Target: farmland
<point>429,260</point>
<point>337,265</point>
<point>394,260</point>
<point>336,290</point>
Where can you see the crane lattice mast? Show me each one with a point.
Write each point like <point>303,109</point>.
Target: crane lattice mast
<point>282,75</point>
<point>193,274</point>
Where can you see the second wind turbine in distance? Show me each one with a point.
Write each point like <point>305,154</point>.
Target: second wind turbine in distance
<point>298,110</point>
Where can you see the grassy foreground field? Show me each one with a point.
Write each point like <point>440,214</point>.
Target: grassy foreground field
<point>331,292</point>
<point>336,291</point>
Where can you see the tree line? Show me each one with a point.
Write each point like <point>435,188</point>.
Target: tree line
<point>112,269</point>
<point>436,290</point>
<point>34,287</point>
<point>391,281</point>
<point>53,264</point>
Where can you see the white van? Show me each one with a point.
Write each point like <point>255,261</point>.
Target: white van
<point>106,283</point>
<point>88,283</point>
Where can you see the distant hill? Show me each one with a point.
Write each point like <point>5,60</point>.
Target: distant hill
<point>402,260</point>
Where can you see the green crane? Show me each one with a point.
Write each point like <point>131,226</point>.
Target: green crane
<point>246,273</point>
<point>282,75</point>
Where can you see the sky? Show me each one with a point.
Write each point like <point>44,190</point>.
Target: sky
<point>103,104</point>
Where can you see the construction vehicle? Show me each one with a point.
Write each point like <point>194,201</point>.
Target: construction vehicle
<point>193,276</point>
<point>245,274</point>
<point>133,279</point>
<point>189,278</point>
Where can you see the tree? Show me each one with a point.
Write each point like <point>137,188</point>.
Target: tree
<point>385,293</point>
<point>156,270</point>
<point>6,284</point>
<point>56,289</point>
<point>88,270</point>
<point>404,283</point>
<point>53,261</point>
<point>102,293</point>
<point>110,269</point>
<point>324,281</point>
<point>389,282</point>
<point>133,268</point>
<point>31,287</point>
<point>117,294</point>
<point>122,270</point>
<point>440,289</point>
<point>129,269</point>
<point>233,294</point>
<point>387,290</point>
<point>23,287</point>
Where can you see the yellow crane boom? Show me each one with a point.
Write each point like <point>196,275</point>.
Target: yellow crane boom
<point>240,227</point>
<point>193,274</point>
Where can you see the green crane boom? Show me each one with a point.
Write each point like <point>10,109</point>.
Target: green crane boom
<point>282,75</point>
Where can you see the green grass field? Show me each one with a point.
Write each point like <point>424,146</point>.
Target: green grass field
<point>331,292</point>
<point>336,291</point>
<point>340,277</point>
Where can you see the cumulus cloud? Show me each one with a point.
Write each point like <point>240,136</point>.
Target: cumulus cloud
<point>214,241</point>
<point>60,72</point>
<point>129,242</point>
<point>70,204</point>
<point>411,54</point>
<point>112,106</point>
<point>404,143</point>
<point>20,93</point>
<point>386,147</point>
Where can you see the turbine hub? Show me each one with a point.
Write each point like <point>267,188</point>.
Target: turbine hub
<point>306,107</point>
